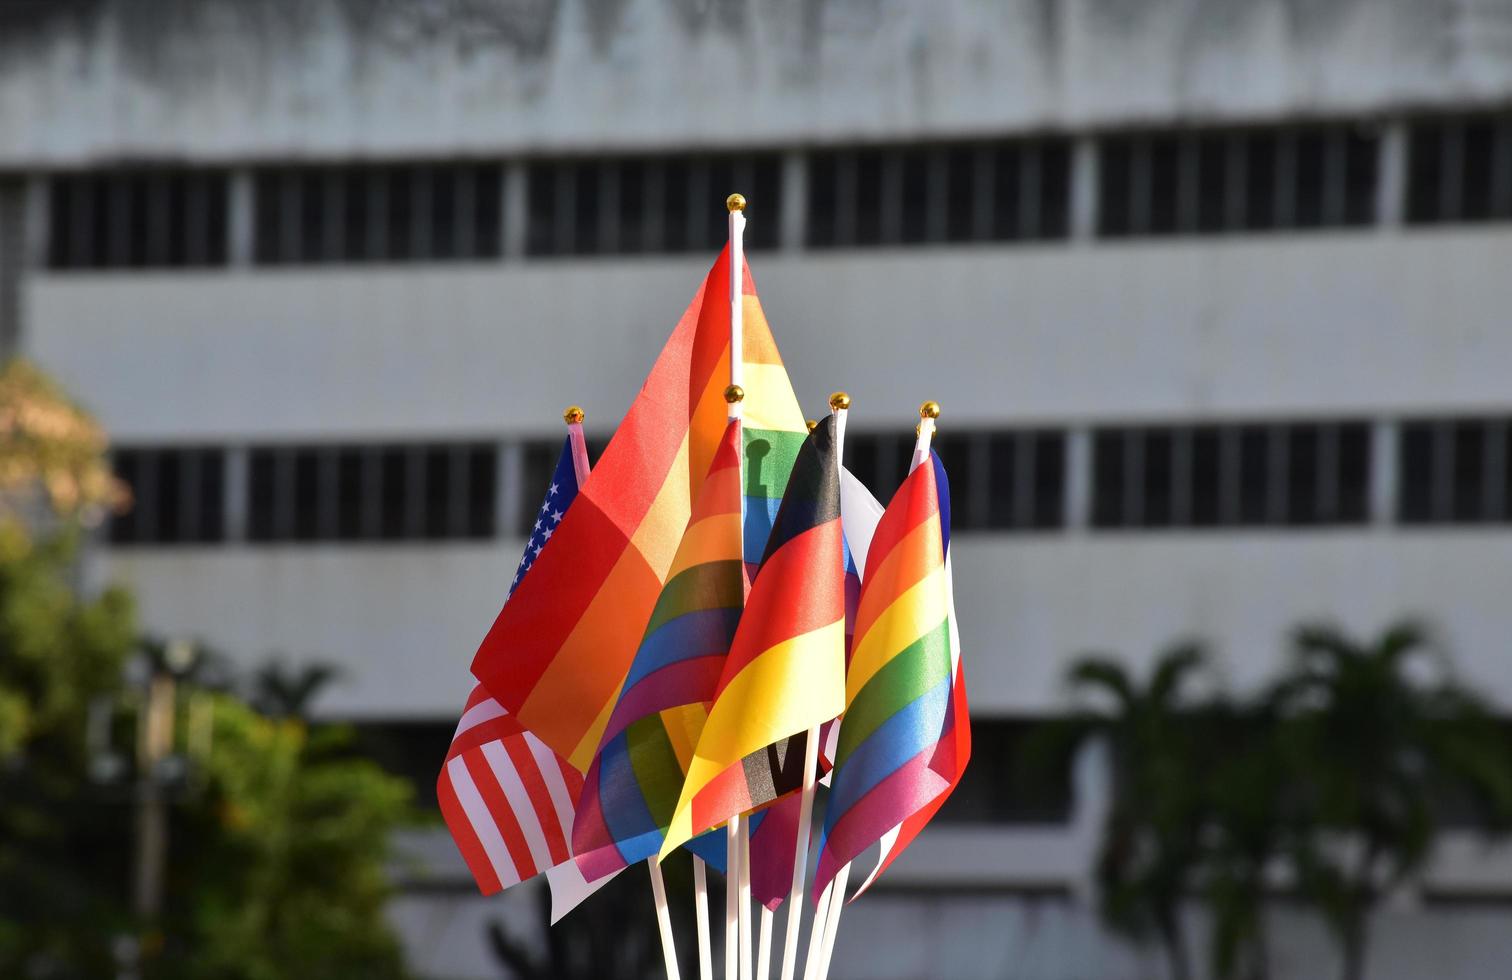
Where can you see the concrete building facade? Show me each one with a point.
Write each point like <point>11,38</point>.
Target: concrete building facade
<point>1214,296</point>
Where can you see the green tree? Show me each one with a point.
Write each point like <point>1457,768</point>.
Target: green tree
<point>1374,733</point>
<point>1150,852</point>
<point>279,871</point>
<point>62,867</point>
<point>278,843</point>
<point>1246,790</point>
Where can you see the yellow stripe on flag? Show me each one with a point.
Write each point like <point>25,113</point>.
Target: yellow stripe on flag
<point>918,610</point>
<point>777,695</point>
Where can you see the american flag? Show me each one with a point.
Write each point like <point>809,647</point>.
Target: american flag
<point>507,799</point>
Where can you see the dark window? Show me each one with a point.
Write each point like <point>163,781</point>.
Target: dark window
<point>137,219</point>
<point>1460,169</point>
<point>1354,473</point>
<point>437,519</point>
<point>351,467</point>
<point>586,194</point>
<point>823,200</point>
<point>1416,482</point>
<point>482,482</point>
<point>393,479</point>
<point>1305,473</point>
<point>914,209</point>
<point>177,496</point>
<point>870,199</point>
<point>1049,483</point>
<point>1207,481</point>
<point>1164,180</point>
<point>1108,478</point>
<point>305,497</point>
<point>1115,186</point>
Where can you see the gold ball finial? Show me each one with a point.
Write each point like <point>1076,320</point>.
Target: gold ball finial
<point>812,425</point>
<point>735,202</point>
<point>929,410</point>
<point>573,414</point>
<point>839,400</point>
<point>733,394</point>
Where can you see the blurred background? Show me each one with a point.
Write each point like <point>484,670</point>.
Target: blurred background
<point>1215,296</point>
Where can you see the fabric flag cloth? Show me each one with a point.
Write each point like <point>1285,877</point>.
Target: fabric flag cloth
<point>508,799</point>
<point>897,750</point>
<point>953,766</point>
<point>786,669</point>
<point>633,783</point>
<point>555,657</point>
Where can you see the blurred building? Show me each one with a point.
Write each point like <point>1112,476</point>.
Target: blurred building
<point>1215,296</point>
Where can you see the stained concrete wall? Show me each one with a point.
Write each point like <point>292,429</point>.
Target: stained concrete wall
<point>228,79</point>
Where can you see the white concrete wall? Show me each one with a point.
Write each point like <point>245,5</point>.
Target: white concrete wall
<point>1335,323</point>
<point>220,79</point>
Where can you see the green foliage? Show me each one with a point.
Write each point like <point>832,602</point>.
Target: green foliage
<point>1150,847</point>
<point>1337,774</point>
<point>277,841</point>
<point>1375,734</point>
<point>279,873</point>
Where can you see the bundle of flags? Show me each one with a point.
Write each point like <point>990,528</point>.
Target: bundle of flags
<point>713,595</point>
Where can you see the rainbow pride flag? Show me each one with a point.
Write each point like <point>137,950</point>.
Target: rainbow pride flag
<point>896,753</point>
<point>634,781</point>
<point>556,656</point>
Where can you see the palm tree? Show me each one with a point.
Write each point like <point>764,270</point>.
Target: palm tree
<point>1149,856</point>
<point>1246,793</point>
<point>1375,734</point>
<point>281,691</point>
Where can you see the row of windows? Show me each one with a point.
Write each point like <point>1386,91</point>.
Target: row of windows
<point>1006,191</point>
<point>1456,472</point>
<point>378,213</point>
<point>1146,477</point>
<point>1241,180</point>
<point>1231,476</point>
<point>1158,182</point>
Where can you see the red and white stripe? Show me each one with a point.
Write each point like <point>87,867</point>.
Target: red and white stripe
<point>507,799</point>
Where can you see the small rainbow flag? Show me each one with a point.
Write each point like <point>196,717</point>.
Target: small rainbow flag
<point>633,784</point>
<point>897,746</point>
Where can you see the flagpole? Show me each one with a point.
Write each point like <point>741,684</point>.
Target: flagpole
<point>745,900</point>
<point>663,917</point>
<point>816,933</point>
<point>735,943</point>
<point>701,913</point>
<point>764,946</point>
<point>840,407</point>
<point>928,412</point>
<point>837,902</point>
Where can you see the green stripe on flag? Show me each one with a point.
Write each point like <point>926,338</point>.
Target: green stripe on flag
<point>918,668</point>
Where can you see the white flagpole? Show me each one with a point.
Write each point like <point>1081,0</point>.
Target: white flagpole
<point>816,933</point>
<point>745,900</point>
<point>840,406</point>
<point>764,946</point>
<point>735,944</point>
<point>832,921</point>
<point>928,412</point>
<point>701,913</point>
<point>732,899</point>
<point>663,917</point>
